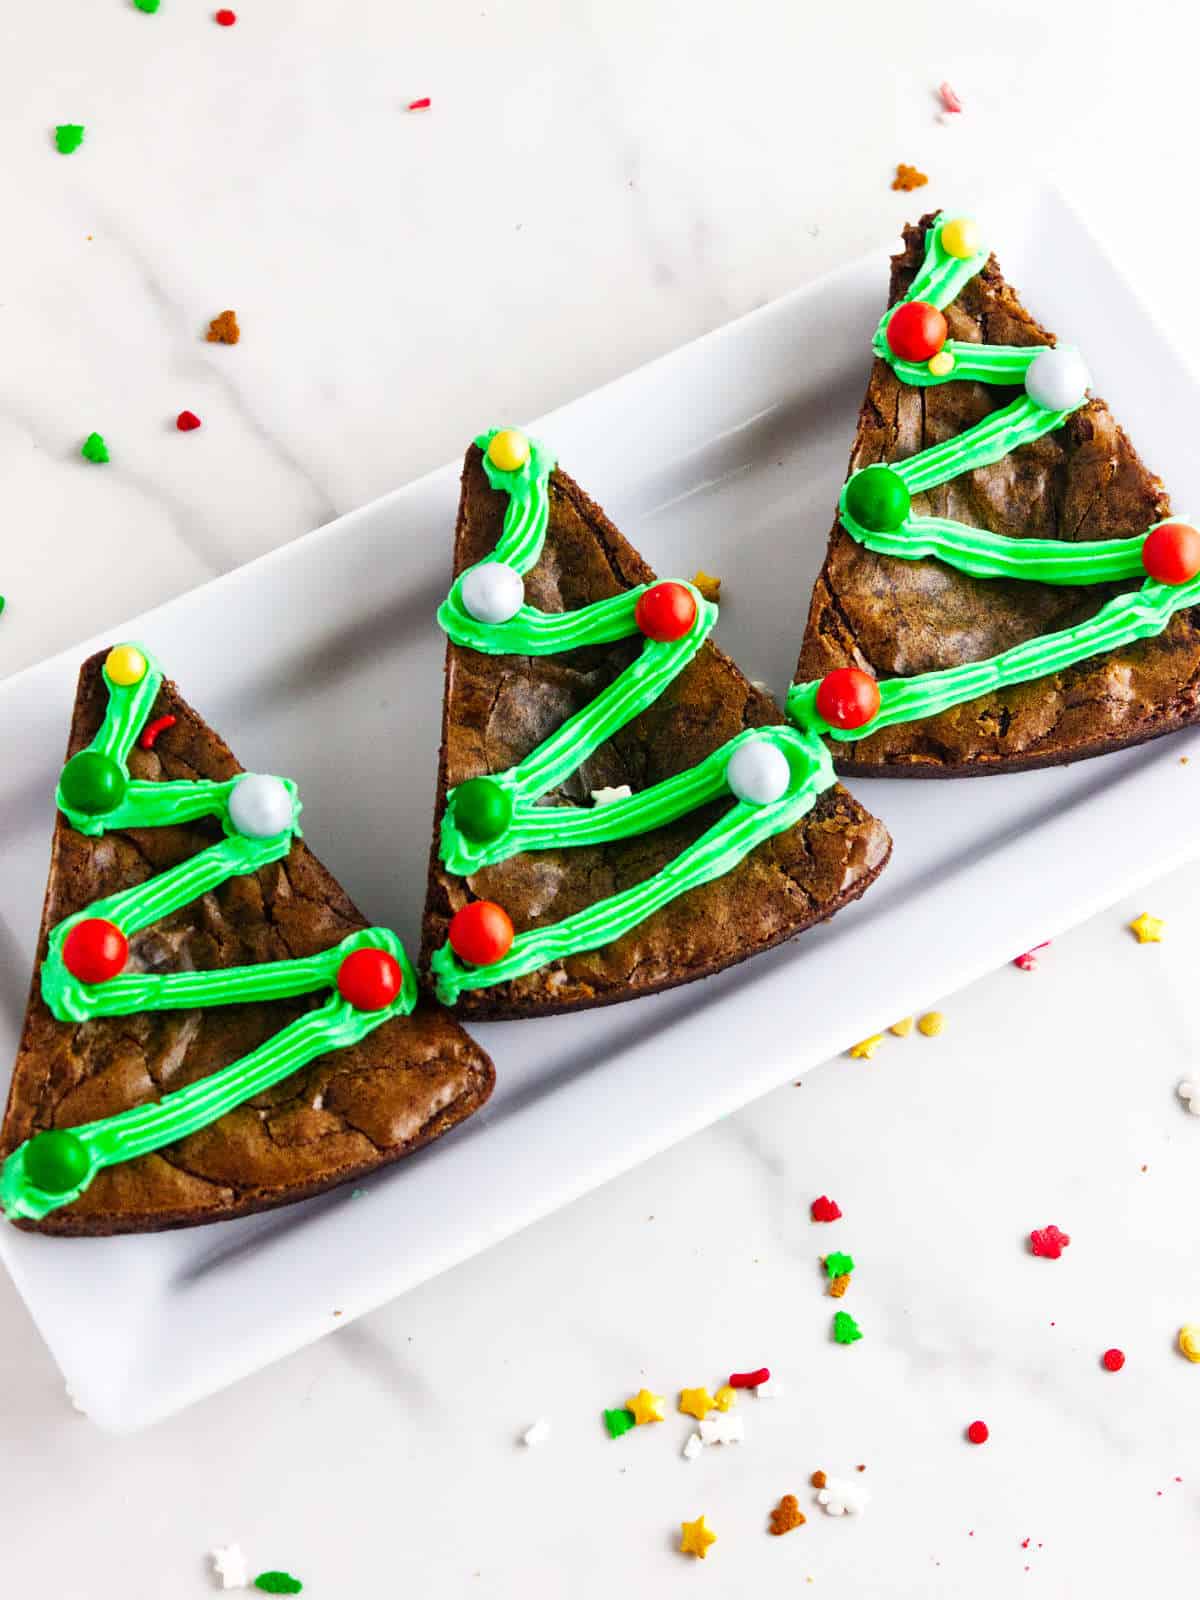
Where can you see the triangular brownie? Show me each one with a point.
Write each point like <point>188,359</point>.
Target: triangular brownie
<point>1072,667</point>
<point>399,1083</point>
<point>587,732</point>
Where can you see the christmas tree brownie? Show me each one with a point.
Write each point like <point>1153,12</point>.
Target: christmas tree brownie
<point>1004,587</point>
<point>619,810</point>
<point>213,1029</point>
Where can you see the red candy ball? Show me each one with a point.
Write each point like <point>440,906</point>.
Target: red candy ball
<point>369,979</point>
<point>666,612</point>
<point>847,698</point>
<point>1113,1360</point>
<point>978,1433</point>
<point>481,933</point>
<point>916,331</point>
<point>1171,554</point>
<point>95,950</point>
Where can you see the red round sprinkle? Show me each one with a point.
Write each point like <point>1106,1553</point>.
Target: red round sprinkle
<point>226,18</point>
<point>1113,1360</point>
<point>916,330</point>
<point>481,933</point>
<point>1171,554</point>
<point>420,105</point>
<point>825,1210</point>
<point>369,979</point>
<point>749,1380</point>
<point>95,950</point>
<point>665,612</point>
<point>978,1433</point>
<point>186,421</point>
<point>847,697</point>
<point>152,730</point>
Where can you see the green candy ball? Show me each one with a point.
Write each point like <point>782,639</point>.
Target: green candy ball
<point>878,499</point>
<point>482,809</point>
<point>92,783</point>
<point>56,1162</point>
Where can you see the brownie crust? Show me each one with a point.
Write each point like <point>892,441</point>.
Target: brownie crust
<point>344,1115</point>
<point>499,708</point>
<point>897,618</point>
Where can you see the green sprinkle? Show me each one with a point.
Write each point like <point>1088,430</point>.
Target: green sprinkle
<point>148,6</point>
<point>94,448</point>
<point>68,136</point>
<point>276,1582</point>
<point>845,1329</point>
<point>838,1263</point>
<point>618,1422</point>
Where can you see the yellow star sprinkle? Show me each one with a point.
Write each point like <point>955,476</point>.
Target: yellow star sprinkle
<point>696,1538</point>
<point>695,1403</point>
<point>724,1397</point>
<point>1189,1341</point>
<point>866,1048</point>
<point>931,1024</point>
<point>903,1028</point>
<point>1149,929</point>
<point>708,586</point>
<point>646,1407</point>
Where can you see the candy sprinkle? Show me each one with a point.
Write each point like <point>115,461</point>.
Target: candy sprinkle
<point>787,1515</point>
<point>1148,929</point>
<point>619,1421</point>
<point>823,1209</point>
<point>149,7</point>
<point>278,1583</point>
<point>224,329</point>
<point>865,1048</point>
<point>68,136</point>
<point>1189,1341</point>
<point>1028,962</point>
<point>1049,1242</point>
<point>420,105</point>
<point>1113,1360</point>
<point>845,1329</point>
<point>903,1028</point>
<point>695,1538</point>
<point>838,1263</point>
<point>931,1024</point>
<point>950,101</point>
<point>977,1433</point>
<point>908,178</point>
<point>94,449</point>
<point>152,730</point>
<point>749,1380</point>
<point>708,585</point>
<point>225,19</point>
<point>186,421</point>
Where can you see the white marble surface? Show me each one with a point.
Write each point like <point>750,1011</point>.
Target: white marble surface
<point>593,185</point>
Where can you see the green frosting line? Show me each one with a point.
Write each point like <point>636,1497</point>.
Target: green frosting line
<point>1138,615</point>
<point>715,853</point>
<point>988,441</point>
<point>333,1026</point>
<point>983,554</point>
<point>985,363</point>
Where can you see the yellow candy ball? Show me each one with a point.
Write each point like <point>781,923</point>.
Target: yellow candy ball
<point>1189,1341</point>
<point>509,450</point>
<point>941,364</point>
<point>960,238</point>
<point>125,665</point>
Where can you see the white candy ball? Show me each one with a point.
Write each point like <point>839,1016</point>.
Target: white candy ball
<point>494,592</point>
<point>259,806</point>
<point>1057,379</point>
<point>758,772</point>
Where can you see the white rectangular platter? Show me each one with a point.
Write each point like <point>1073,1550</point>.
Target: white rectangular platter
<point>322,661</point>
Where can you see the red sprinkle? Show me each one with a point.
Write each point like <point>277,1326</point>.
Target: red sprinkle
<point>825,1210</point>
<point>1049,1241</point>
<point>978,1433</point>
<point>152,730</point>
<point>420,105</point>
<point>1029,961</point>
<point>226,18</point>
<point>950,101</point>
<point>1113,1360</point>
<point>186,421</point>
<point>749,1380</point>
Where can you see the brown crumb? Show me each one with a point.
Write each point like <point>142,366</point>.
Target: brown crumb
<point>839,1285</point>
<point>708,586</point>
<point>908,178</point>
<point>787,1515</point>
<point>818,1480</point>
<point>224,329</point>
